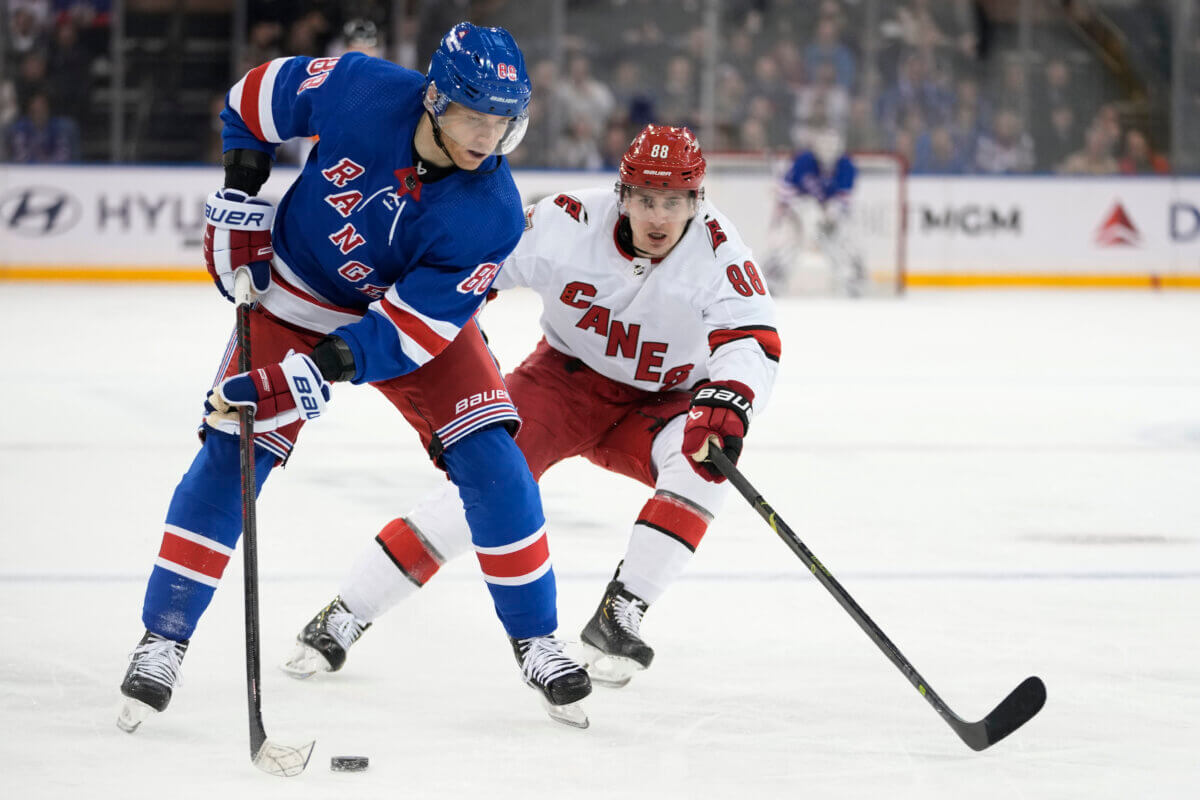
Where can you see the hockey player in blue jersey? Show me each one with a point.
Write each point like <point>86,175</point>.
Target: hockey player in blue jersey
<point>813,214</point>
<point>370,270</point>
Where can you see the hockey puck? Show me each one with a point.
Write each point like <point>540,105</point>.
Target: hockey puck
<point>348,763</point>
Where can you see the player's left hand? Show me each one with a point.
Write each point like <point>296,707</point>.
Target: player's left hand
<point>280,394</point>
<point>719,410</point>
<point>237,233</point>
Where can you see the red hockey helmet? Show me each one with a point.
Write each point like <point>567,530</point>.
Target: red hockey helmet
<point>663,157</point>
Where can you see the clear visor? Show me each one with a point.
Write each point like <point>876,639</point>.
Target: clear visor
<point>483,133</point>
<point>656,206</point>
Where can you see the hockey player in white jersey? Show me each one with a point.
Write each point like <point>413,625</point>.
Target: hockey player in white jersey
<point>659,339</point>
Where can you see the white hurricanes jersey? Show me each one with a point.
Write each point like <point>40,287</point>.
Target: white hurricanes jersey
<point>701,313</point>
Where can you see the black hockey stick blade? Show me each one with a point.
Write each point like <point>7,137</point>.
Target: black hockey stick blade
<point>1014,711</point>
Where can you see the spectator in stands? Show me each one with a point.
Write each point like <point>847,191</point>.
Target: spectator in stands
<point>1094,158</point>
<point>359,35</point>
<point>27,32</point>
<point>972,117</point>
<point>1139,158</point>
<point>578,147</point>
<point>822,103</point>
<point>938,152</point>
<point>862,131</point>
<point>1060,139</point>
<point>944,33</point>
<point>915,88</point>
<point>790,61</point>
<point>69,69</point>
<point>1108,120</point>
<point>739,51</point>
<point>39,137</point>
<point>309,35</point>
<point>826,48</point>
<point>771,100</point>
<point>730,107</point>
<point>586,103</point>
<point>31,77</point>
<point>903,145</point>
<point>632,98</point>
<point>679,97</point>
<point>545,119</point>
<point>613,144</point>
<point>753,135</point>
<point>1007,149</point>
<point>263,44</point>
<point>1056,88</point>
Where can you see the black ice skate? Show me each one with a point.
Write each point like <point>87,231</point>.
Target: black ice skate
<point>151,677</point>
<point>562,680</point>
<point>611,639</point>
<point>325,640</point>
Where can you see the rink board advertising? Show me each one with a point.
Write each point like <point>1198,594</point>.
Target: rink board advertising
<point>117,223</point>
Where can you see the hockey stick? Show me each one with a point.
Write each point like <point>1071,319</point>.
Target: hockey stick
<point>272,757</point>
<point>1013,712</point>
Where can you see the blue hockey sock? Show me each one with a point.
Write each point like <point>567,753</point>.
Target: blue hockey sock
<point>504,511</point>
<point>202,527</point>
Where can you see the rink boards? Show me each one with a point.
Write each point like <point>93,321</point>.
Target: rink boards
<point>118,223</point>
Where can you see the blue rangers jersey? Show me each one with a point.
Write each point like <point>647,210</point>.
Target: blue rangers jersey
<point>806,178</point>
<point>363,248</point>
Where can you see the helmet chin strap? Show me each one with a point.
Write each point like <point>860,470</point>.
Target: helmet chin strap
<point>437,137</point>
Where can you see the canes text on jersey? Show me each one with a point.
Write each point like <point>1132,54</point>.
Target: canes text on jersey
<point>622,338</point>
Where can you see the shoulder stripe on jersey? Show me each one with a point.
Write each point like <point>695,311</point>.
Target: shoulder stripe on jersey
<point>766,336</point>
<point>427,336</point>
<point>251,99</point>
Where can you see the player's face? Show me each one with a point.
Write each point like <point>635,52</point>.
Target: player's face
<point>657,218</point>
<point>471,136</point>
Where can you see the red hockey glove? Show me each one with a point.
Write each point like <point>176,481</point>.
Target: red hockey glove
<point>722,410</point>
<point>280,394</point>
<point>237,233</point>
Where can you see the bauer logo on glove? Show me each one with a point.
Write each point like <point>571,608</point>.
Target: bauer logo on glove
<point>720,412</point>
<point>237,234</point>
<point>280,394</point>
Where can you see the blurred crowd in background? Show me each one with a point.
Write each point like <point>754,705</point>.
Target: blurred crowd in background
<point>954,86</point>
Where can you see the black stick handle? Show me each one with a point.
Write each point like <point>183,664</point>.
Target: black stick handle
<point>258,734</point>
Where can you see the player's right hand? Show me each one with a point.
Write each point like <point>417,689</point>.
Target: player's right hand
<point>280,394</point>
<point>237,233</point>
<point>720,414</point>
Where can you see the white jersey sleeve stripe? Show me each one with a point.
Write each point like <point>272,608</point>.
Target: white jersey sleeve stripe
<point>266,92</point>
<point>251,98</point>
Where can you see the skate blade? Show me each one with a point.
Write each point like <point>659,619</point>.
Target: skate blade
<point>611,672</point>
<point>133,713</point>
<point>304,662</point>
<point>282,760</point>
<point>571,714</point>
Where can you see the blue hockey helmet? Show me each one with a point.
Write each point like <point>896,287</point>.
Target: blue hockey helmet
<point>483,70</point>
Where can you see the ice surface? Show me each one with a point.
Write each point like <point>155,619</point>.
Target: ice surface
<point>1007,482</point>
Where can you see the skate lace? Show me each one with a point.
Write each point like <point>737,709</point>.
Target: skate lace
<point>627,613</point>
<point>544,660</point>
<point>343,626</point>
<point>158,660</point>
